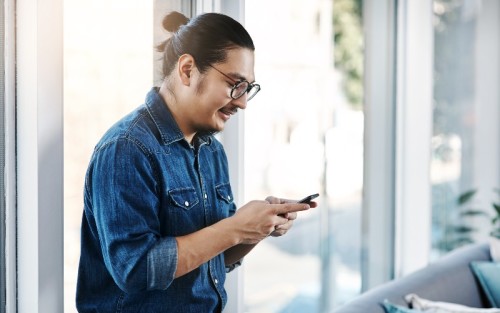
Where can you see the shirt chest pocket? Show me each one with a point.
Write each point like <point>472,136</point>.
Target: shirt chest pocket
<point>224,193</point>
<point>225,205</point>
<point>184,198</point>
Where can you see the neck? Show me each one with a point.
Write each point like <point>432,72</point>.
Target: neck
<point>176,108</point>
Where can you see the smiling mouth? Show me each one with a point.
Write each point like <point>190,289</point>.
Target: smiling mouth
<point>228,112</point>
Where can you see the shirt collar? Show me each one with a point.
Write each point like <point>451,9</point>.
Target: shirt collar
<point>164,121</point>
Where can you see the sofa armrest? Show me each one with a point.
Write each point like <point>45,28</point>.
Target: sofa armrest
<point>448,279</point>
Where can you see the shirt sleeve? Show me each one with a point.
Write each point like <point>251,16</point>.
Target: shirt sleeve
<point>125,206</point>
<point>162,263</point>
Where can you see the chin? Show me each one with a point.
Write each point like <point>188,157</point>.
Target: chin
<point>210,130</point>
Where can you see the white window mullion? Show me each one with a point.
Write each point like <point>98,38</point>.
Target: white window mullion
<point>378,182</point>
<point>414,131</point>
<point>40,155</point>
<point>10,158</point>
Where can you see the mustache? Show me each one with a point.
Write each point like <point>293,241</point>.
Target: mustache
<point>232,110</point>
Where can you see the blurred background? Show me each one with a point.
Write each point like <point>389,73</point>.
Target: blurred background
<point>304,133</point>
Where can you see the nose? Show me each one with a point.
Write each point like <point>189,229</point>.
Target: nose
<point>241,102</point>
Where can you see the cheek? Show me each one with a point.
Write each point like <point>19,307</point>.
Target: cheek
<point>220,95</point>
<point>212,96</point>
<point>218,92</point>
<point>214,100</point>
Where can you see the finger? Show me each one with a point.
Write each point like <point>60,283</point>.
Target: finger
<point>289,216</point>
<point>278,233</point>
<point>282,229</point>
<point>282,201</point>
<point>279,220</point>
<point>273,200</point>
<point>289,207</point>
<point>313,204</point>
<point>285,226</point>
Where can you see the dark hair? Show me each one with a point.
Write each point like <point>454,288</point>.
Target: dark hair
<point>206,37</point>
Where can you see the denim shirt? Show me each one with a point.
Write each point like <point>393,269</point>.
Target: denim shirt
<point>144,186</point>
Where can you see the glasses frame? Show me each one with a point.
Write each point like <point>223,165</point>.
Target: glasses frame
<point>237,83</point>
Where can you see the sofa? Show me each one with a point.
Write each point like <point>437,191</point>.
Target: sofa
<point>449,279</point>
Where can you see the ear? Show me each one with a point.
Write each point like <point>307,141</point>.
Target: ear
<point>185,67</point>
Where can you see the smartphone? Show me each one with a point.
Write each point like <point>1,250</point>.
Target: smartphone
<point>309,198</point>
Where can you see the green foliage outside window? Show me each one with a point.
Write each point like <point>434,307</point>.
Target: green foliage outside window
<point>459,232</point>
<point>348,51</point>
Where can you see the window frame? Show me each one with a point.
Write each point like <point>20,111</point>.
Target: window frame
<point>39,157</point>
<point>414,63</point>
<point>378,211</point>
<point>10,156</point>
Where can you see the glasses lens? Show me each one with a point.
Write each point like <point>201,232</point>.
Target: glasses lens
<point>253,91</point>
<point>239,89</point>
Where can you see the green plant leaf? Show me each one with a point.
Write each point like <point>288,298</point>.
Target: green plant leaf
<point>495,233</point>
<point>459,242</point>
<point>496,206</point>
<point>466,196</point>
<point>474,213</point>
<point>461,229</point>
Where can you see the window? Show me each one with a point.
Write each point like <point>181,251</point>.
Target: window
<point>465,135</point>
<point>300,82</point>
<point>108,69</point>
<point>304,134</point>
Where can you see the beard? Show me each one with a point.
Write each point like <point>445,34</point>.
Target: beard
<point>203,129</point>
<point>200,86</point>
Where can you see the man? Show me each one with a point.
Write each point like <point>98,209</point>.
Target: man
<point>160,228</point>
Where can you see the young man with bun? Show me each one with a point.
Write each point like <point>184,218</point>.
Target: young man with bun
<point>160,227</point>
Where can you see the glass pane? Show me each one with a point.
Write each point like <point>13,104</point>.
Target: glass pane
<point>304,134</point>
<point>108,69</point>
<point>454,144</point>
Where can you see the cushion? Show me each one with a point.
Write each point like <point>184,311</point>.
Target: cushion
<point>424,305</point>
<point>495,249</point>
<point>393,308</point>
<point>488,275</point>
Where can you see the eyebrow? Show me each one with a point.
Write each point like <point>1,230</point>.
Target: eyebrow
<point>236,76</point>
<point>239,77</point>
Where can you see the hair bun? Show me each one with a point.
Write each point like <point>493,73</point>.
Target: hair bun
<point>174,20</point>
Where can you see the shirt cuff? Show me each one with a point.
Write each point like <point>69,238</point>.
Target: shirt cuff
<point>162,263</point>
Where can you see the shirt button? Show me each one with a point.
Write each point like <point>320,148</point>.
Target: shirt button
<point>228,197</point>
<point>216,281</point>
<point>186,203</point>
<point>205,196</point>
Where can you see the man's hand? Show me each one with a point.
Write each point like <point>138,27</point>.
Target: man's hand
<point>258,219</point>
<point>282,229</point>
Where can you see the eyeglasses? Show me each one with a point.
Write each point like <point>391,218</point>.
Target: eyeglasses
<point>241,87</point>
